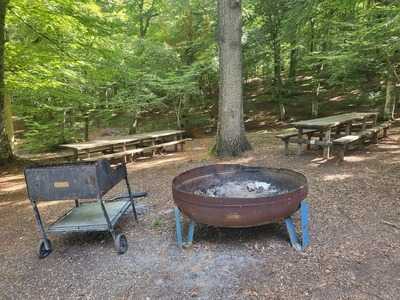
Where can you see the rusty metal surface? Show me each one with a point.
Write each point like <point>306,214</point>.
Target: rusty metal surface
<point>85,180</point>
<point>238,212</point>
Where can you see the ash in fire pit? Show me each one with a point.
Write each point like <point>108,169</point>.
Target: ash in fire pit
<point>239,189</point>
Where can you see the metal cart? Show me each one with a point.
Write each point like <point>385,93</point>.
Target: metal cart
<point>80,181</point>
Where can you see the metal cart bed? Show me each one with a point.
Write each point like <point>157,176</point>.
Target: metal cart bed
<point>80,181</point>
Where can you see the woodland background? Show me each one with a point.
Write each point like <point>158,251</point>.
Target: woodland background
<point>73,67</point>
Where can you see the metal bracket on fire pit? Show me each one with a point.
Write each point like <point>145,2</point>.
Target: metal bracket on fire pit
<point>179,236</point>
<point>291,228</point>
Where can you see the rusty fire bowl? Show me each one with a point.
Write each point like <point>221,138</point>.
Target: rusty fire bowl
<point>238,212</point>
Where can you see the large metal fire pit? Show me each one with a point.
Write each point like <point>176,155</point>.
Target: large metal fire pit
<point>213,195</point>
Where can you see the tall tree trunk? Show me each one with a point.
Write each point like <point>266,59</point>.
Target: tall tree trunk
<point>178,113</point>
<point>278,85</point>
<point>390,102</point>
<point>134,123</point>
<point>86,130</point>
<point>8,121</point>
<point>6,153</point>
<point>293,63</point>
<point>315,101</point>
<point>312,35</point>
<point>276,45</point>
<point>314,108</point>
<point>231,138</point>
<point>63,127</point>
<point>282,111</point>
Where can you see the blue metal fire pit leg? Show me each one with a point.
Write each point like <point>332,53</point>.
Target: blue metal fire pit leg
<point>178,227</point>
<point>179,231</point>
<point>192,226</point>
<point>304,214</point>
<point>291,228</point>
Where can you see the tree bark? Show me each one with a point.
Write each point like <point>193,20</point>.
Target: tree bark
<point>178,113</point>
<point>145,17</point>
<point>134,123</point>
<point>312,35</point>
<point>6,153</point>
<point>314,108</point>
<point>63,127</point>
<point>315,101</point>
<point>282,111</point>
<point>231,138</point>
<point>293,63</point>
<point>86,130</point>
<point>278,85</point>
<point>277,62</point>
<point>390,102</point>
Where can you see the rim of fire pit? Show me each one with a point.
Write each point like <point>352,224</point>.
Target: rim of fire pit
<point>238,212</point>
<point>300,191</point>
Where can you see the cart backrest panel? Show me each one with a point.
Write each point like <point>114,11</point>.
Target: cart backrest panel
<point>108,176</point>
<point>71,181</point>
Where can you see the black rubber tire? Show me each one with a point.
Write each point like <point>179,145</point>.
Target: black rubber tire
<point>42,251</point>
<point>121,243</point>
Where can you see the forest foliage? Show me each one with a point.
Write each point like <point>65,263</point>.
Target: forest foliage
<point>72,65</point>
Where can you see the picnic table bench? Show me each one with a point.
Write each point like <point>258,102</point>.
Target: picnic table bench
<point>343,143</point>
<point>285,137</point>
<point>356,127</point>
<point>127,147</point>
<point>131,155</point>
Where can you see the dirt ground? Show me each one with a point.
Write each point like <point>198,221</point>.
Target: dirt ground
<point>354,226</point>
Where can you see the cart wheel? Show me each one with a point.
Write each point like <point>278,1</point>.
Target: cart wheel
<point>121,243</point>
<point>42,251</point>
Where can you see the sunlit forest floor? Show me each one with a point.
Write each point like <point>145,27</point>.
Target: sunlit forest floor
<point>355,231</point>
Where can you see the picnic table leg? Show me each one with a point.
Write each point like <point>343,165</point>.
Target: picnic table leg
<point>76,154</point>
<point>348,128</point>
<point>176,146</point>
<point>338,130</point>
<point>286,141</point>
<point>374,120</point>
<point>309,136</point>
<point>153,143</point>
<point>180,137</point>
<point>327,146</point>
<point>300,145</point>
<point>364,124</point>
<point>385,132</point>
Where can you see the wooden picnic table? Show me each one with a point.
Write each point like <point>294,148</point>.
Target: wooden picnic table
<point>111,144</point>
<point>327,124</point>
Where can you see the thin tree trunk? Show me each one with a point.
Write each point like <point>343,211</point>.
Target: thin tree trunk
<point>312,35</point>
<point>63,127</point>
<point>8,121</point>
<point>86,131</point>
<point>315,102</point>
<point>282,111</point>
<point>293,64</point>
<point>277,63</point>
<point>278,85</point>
<point>314,108</point>
<point>134,124</point>
<point>178,113</point>
<point>6,153</point>
<point>390,102</point>
<point>231,138</point>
